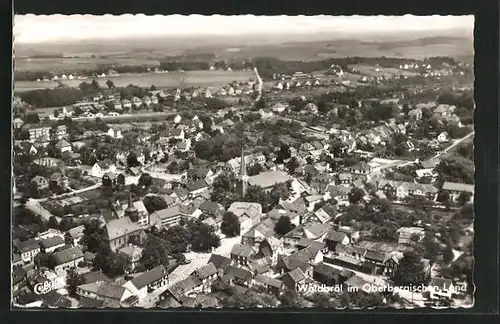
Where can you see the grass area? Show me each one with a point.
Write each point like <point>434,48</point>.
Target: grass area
<point>370,71</point>
<point>159,80</point>
<point>58,65</point>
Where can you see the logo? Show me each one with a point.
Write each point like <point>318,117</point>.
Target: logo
<point>47,286</point>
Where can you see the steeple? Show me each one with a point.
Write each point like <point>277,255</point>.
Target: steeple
<point>243,174</point>
<point>131,211</point>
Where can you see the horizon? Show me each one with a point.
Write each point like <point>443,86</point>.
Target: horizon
<point>33,30</point>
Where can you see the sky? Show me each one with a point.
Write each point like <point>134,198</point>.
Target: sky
<point>41,29</point>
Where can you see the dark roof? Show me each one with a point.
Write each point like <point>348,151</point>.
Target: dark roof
<point>67,255</point>
<point>179,289</point>
<point>209,206</point>
<point>239,273</point>
<point>26,246</point>
<point>94,276</point>
<point>326,270</point>
<point>54,299</point>
<point>296,275</point>
<point>335,236</point>
<point>273,282</point>
<point>51,241</point>
<point>149,277</point>
<point>196,185</point>
<point>241,250</point>
<point>90,303</point>
<point>219,261</point>
<point>206,271</point>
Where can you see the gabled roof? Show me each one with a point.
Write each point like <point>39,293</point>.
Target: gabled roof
<point>27,246</point>
<point>242,250</point>
<point>241,209</point>
<point>458,187</point>
<point>239,273</point>
<point>269,281</point>
<point>335,236</point>
<point>119,227</point>
<point>111,290</point>
<point>210,206</point>
<point>263,229</point>
<point>67,255</point>
<point>297,275</point>
<point>206,271</point>
<point>149,277</point>
<point>219,261</point>
<point>51,241</point>
<point>179,289</point>
<point>269,179</point>
<point>326,270</point>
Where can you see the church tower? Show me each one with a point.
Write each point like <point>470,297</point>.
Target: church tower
<point>243,175</point>
<point>131,211</point>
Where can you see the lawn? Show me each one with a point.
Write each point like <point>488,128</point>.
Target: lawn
<point>59,65</point>
<point>370,71</point>
<point>159,80</point>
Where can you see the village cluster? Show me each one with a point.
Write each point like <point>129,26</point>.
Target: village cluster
<point>241,205</point>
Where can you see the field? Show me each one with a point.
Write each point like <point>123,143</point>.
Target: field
<point>58,65</point>
<point>370,71</point>
<point>160,80</point>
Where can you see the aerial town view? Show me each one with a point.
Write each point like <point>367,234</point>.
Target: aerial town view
<point>243,162</point>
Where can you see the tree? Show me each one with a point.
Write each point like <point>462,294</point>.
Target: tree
<point>280,191</point>
<point>230,225</point>
<point>56,113</point>
<point>410,270</point>
<point>155,253</point>
<point>112,264</point>
<point>110,84</point>
<point>203,236</point>
<point>95,85</point>
<point>292,165</point>
<point>463,198</point>
<point>355,195</point>
<point>132,160</point>
<point>223,189</point>
<point>92,239</point>
<point>255,169</point>
<point>52,223</point>
<point>283,226</point>
<point>145,180</point>
<point>257,195</point>
<point>120,180</point>
<point>73,280</point>
<point>283,153</point>
<point>154,203</point>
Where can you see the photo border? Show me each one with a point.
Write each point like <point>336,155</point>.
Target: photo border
<point>486,139</point>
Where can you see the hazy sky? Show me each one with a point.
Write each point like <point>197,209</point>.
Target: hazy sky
<point>32,29</point>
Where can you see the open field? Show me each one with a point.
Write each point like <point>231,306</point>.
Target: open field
<point>159,80</point>
<point>58,65</point>
<point>370,71</point>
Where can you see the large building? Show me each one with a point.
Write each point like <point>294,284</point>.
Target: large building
<point>268,180</point>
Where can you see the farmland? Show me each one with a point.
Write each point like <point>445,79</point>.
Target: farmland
<point>159,80</point>
<point>59,65</point>
<point>370,71</point>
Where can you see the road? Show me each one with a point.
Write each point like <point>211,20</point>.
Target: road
<point>260,84</point>
<point>72,193</point>
<point>455,143</point>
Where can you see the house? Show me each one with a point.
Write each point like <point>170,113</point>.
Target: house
<point>241,253</point>
<point>110,293</point>
<point>207,275</point>
<point>408,235</point>
<point>293,279</point>
<point>75,234</point>
<point>182,289</point>
<point>27,249</point>
<point>220,262</point>
<point>278,108</point>
<point>238,276</point>
<point>277,213</point>
<point>312,231</point>
<point>278,86</point>
<point>212,209</point>
<point>133,254</point>
<point>197,187</point>
<point>148,282</point>
<point>444,111</point>
<point>67,259</point>
<point>17,123</point>
<point>443,137</point>
<point>324,214</point>
<point>50,244</point>
<point>335,237</point>
<point>59,179</point>
<point>345,178</point>
<point>273,285</point>
<point>126,104</point>
<point>441,288</point>
<point>99,169</point>
<point>36,132</point>
<point>326,274</point>
<point>169,217</point>
<point>266,113</point>
<point>40,182</point>
<point>248,214</point>
<point>259,232</point>
<point>311,108</point>
<point>415,114</point>
<point>455,190</point>
<point>118,232</point>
